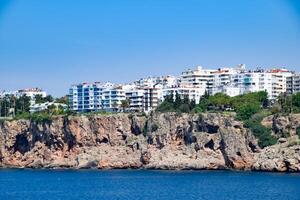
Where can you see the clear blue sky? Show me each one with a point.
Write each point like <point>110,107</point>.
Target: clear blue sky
<point>54,43</point>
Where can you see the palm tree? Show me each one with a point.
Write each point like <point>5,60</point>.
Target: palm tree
<point>125,104</point>
<point>115,106</point>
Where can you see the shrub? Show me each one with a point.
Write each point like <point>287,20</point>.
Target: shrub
<point>246,111</point>
<point>185,108</point>
<point>165,107</point>
<point>41,117</point>
<point>265,138</point>
<point>24,115</point>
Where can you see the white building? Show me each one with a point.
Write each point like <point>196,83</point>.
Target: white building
<point>198,78</point>
<point>147,93</point>
<point>30,92</point>
<point>293,84</point>
<point>136,99</point>
<point>279,82</point>
<point>112,98</point>
<point>165,81</point>
<point>44,106</point>
<point>87,97</point>
<point>153,96</point>
<point>193,93</point>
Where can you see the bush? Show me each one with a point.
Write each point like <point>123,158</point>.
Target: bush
<point>24,115</point>
<point>246,111</point>
<point>165,107</point>
<point>185,108</point>
<point>265,138</point>
<point>41,117</point>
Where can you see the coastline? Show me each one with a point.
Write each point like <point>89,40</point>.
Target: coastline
<point>177,142</point>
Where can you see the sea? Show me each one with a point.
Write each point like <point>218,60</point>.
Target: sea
<point>146,185</point>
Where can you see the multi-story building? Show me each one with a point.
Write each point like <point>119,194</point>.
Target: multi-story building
<point>193,93</point>
<point>136,99</point>
<point>293,84</point>
<point>224,78</point>
<point>279,82</point>
<point>198,78</point>
<point>30,92</point>
<point>165,81</point>
<point>253,81</point>
<point>87,97</point>
<point>112,98</point>
<point>146,93</point>
<point>152,97</point>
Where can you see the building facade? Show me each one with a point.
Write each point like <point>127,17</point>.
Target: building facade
<point>147,93</point>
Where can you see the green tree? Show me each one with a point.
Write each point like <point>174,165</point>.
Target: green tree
<point>178,100</point>
<point>125,104</point>
<point>247,110</point>
<point>219,101</point>
<point>192,104</point>
<point>63,100</point>
<point>22,104</point>
<point>40,99</point>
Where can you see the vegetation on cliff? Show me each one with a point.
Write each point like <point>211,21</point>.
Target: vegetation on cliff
<point>250,108</point>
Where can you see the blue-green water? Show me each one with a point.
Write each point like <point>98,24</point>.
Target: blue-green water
<point>139,184</point>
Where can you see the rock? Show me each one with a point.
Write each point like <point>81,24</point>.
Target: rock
<point>159,141</point>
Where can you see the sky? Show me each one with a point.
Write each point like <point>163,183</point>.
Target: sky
<point>52,44</point>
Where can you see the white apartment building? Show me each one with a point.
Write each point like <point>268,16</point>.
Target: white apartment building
<point>44,106</point>
<point>279,82</point>
<point>165,81</point>
<point>198,78</point>
<point>193,93</point>
<point>136,99</point>
<point>274,81</point>
<point>293,84</point>
<point>30,92</point>
<point>224,79</point>
<point>147,93</point>
<point>253,81</point>
<point>153,96</point>
<point>112,98</point>
<point>87,97</point>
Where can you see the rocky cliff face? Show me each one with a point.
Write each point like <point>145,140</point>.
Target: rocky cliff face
<point>159,141</point>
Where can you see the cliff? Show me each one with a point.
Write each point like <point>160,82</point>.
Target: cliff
<point>159,141</point>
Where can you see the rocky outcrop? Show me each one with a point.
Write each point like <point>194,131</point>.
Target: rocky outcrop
<point>281,157</point>
<point>159,141</point>
<point>283,125</point>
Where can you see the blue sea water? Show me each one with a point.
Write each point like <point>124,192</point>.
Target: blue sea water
<point>144,185</point>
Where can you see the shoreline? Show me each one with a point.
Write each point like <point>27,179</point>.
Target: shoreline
<point>148,169</point>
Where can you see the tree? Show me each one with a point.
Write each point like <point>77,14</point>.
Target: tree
<point>125,104</point>
<point>192,104</point>
<point>186,100</point>
<point>22,104</point>
<point>165,106</point>
<point>40,99</point>
<point>115,105</point>
<point>247,110</point>
<point>169,98</point>
<point>219,101</point>
<point>185,108</point>
<point>178,100</point>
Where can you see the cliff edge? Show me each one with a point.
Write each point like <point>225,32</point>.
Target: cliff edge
<point>159,141</point>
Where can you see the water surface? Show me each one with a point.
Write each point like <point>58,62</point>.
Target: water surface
<point>144,185</point>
